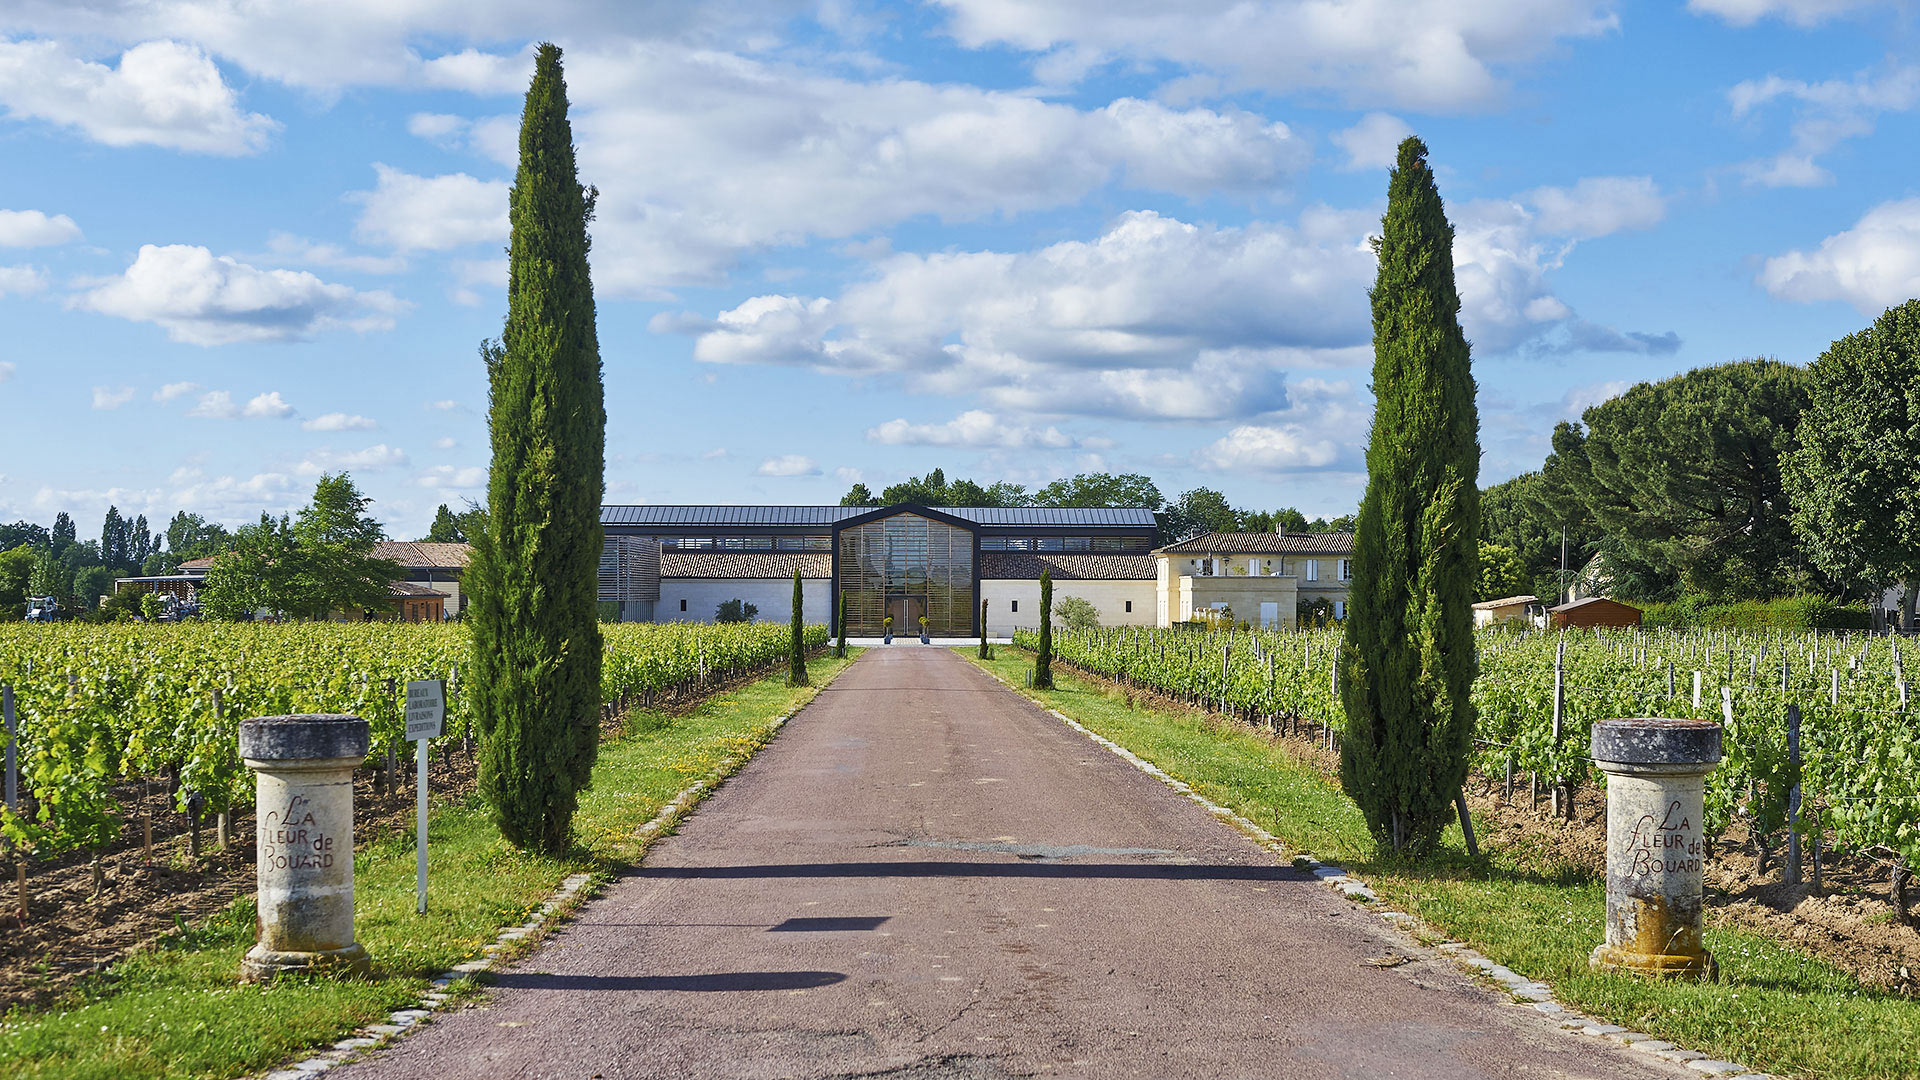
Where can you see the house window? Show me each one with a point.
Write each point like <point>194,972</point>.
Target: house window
<point>1013,605</point>
<point>1129,607</point>
<point>1346,569</point>
<point>683,603</point>
<point>1313,569</point>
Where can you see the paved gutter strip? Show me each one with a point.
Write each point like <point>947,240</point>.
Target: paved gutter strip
<point>1537,994</point>
<point>573,891</point>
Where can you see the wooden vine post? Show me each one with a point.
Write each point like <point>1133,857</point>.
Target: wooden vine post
<point>13,792</point>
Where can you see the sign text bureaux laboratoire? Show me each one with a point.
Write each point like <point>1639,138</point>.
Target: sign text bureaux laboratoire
<point>426,708</point>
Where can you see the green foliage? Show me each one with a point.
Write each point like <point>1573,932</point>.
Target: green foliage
<point>190,536</point>
<point>1078,613</point>
<point>533,577</point>
<point>16,570</point>
<point>735,610</point>
<point>1522,515</point>
<point>1201,510</point>
<point>307,569</point>
<point>840,630</point>
<point>1855,478</point>
<point>1408,656</point>
<point>1101,490</point>
<point>1293,521</point>
<point>1785,613</point>
<point>1502,574</point>
<point>48,577</point>
<point>446,528</point>
<point>1682,480</point>
<point>1313,613</point>
<point>1043,651</point>
<point>986,650</point>
<point>151,606</point>
<point>797,642</point>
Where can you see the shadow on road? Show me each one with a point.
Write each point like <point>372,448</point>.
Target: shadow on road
<point>1026,868</point>
<point>724,981</point>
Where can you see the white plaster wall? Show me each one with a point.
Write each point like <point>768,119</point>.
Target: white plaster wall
<point>1109,598</point>
<point>773,596</point>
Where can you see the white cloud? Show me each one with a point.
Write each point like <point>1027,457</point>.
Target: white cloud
<point>1826,114</point>
<point>20,280</point>
<point>163,93</point>
<point>202,299</point>
<point>109,397</point>
<point>447,477</point>
<point>431,213</point>
<point>447,405</point>
<point>174,390</point>
<point>339,421</point>
<point>287,248</point>
<point>445,442</point>
<point>1324,426</point>
<point>1374,142</point>
<point>788,465</point>
<point>372,459</point>
<point>216,405</point>
<point>7,368</point>
<point>849,476</point>
<point>1433,55</point>
<point>269,406</point>
<point>975,428</point>
<point>1598,206</point>
<point>475,280</point>
<point>1872,266</point>
<point>441,129</point>
<point>1800,12</point>
<point>33,228</point>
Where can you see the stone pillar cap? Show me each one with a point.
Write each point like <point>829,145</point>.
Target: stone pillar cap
<point>1652,741</point>
<point>304,737</point>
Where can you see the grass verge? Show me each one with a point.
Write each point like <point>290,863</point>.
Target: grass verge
<point>177,1011</point>
<point>1773,1009</point>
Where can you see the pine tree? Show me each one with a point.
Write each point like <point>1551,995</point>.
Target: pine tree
<point>1407,664</point>
<point>537,646</point>
<point>445,528</point>
<point>1043,660</point>
<point>797,648</point>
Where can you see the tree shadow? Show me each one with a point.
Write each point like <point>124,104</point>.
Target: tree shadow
<point>715,982</point>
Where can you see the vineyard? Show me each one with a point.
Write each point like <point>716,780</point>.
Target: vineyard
<point>99,708</point>
<point>1819,741</point>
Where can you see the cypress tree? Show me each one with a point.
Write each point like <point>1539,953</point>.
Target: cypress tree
<point>1043,661</point>
<point>1407,662</point>
<point>797,649</point>
<point>840,642</point>
<point>536,635</point>
<point>986,652</point>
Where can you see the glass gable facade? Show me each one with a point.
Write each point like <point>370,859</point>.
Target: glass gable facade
<point>907,566</point>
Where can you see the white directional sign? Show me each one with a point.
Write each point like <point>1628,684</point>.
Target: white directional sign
<point>426,708</point>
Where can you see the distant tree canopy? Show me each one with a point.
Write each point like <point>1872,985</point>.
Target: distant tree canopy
<point>446,528</point>
<point>1681,481</point>
<point>306,568</point>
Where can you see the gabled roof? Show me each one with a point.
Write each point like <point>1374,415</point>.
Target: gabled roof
<point>1026,566</point>
<point>1262,543</point>
<point>423,554</point>
<point>401,590</point>
<point>1506,601</point>
<point>745,564</point>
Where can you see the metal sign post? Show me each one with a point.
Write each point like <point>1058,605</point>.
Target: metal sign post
<point>426,719</point>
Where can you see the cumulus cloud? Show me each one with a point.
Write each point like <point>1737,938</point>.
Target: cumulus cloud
<point>1872,266</point>
<point>372,459</point>
<point>339,421</point>
<point>269,406</point>
<point>288,248</point>
<point>1598,206</point>
<point>975,428</point>
<point>788,465</point>
<point>111,397</point>
<point>449,478</point>
<point>1799,12</point>
<point>441,129</point>
<point>1425,54</point>
<point>33,228</point>
<point>1324,427</point>
<point>216,405</point>
<point>220,404</point>
<point>1825,115</point>
<point>431,213</point>
<point>1374,142</point>
<point>203,299</point>
<point>163,93</point>
<point>174,390</point>
<point>20,280</point>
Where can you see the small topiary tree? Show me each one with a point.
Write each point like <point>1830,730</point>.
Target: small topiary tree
<point>735,611</point>
<point>986,650</point>
<point>1043,660</point>
<point>840,645</point>
<point>797,648</point>
<point>1078,614</point>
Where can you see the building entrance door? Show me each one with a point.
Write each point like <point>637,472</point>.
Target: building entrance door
<point>906,612</point>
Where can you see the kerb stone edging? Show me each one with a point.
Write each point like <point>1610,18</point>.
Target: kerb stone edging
<point>1537,994</point>
<point>573,891</point>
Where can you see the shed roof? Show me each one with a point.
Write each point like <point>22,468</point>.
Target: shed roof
<point>1505,601</point>
<point>1263,543</point>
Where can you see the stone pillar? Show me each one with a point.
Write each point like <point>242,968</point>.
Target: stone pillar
<point>303,769</point>
<point>1656,847</point>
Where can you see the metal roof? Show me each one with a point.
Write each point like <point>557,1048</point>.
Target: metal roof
<point>738,516</point>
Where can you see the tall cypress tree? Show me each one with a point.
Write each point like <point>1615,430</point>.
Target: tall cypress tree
<point>1043,660</point>
<point>840,639</point>
<point>797,649</point>
<point>536,635</point>
<point>1407,663</point>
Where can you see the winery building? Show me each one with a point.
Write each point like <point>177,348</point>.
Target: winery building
<point>675,563</point>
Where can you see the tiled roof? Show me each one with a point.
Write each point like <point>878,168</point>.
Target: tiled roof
<point>1506,601</point>
<point>1026,566</point>
<point>402,589</point>
<point>1219,543</point>
<point>199,564</point>
<point>423,554</point>
<point>745,564</point>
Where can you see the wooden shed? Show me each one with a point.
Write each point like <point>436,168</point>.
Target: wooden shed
<point>1595,611</point>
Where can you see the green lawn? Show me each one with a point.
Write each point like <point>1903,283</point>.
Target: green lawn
<point>177,1011</point>
<point>1773,1009</point>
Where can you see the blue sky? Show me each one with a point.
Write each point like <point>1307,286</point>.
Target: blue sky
<point>245,243</point>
